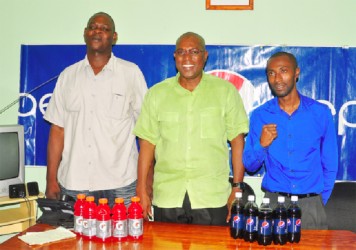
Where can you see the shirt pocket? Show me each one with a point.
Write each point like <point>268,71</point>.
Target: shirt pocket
<point>73,100</point>
<point>117,105</point>
<point>169,125</point>
<point>211,123</point>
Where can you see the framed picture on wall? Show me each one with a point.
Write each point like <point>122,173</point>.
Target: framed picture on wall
<point>229,4</point>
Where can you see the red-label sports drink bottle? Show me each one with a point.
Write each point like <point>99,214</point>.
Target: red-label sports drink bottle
<point>135,219</point>
<point>89,219</point>
<point>78,214</point>
<point>103,221</point>
<point>119,220</point>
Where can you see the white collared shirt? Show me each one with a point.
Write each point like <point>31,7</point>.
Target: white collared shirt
<point>98,114</point>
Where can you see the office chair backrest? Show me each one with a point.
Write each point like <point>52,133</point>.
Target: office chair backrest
<point>341,207</point>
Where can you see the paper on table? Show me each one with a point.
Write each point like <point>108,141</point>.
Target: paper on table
<point>39,238</point>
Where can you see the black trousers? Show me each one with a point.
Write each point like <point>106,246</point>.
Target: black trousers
<point>187,215</point>
<point>313,211</point>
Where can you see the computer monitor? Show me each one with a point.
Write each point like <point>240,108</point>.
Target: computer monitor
<point>12,157</point>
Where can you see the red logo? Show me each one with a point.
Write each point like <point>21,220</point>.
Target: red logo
<point>236,219</point>
<point>281,224</point>
<point>298,222</point>
<point>242,84</point>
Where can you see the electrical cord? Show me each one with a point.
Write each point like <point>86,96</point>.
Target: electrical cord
<point>26,94</point>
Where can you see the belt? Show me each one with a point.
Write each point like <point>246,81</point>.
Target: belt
<point>300,196</point>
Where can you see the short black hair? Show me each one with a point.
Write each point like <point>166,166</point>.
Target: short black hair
<point>284,53</point>
<point>103,14</point>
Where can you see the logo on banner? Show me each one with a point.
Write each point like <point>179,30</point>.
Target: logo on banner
<point>242,84</point>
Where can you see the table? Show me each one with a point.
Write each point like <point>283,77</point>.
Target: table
<point>180,236</point>
<point>17,214</point>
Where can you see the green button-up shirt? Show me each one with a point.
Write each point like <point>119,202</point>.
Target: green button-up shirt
<point>190,131</point>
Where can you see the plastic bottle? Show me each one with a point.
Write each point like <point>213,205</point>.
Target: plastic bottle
<point>103,221</point>
<point>265,226</point>
<point>280,229</point>
<point>78,214</point>
<point>135,219</point>
<point>294,220</point>
<point>251,219</point>
<point>237,217</point>
<point>119,220</point>
<point>89,218</point>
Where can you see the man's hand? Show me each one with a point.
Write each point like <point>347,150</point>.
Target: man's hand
<point>53,190</point>
<point>145,202</point>
<point>269,133</point>
<point>230,201</point>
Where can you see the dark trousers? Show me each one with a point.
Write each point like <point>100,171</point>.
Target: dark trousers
<point>313,211</point>
<point>187,215</point>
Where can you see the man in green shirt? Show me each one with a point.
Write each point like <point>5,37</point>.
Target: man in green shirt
<point>184,126</point>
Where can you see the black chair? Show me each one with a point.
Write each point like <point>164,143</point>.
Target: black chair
<point>248,190</point>
<point>341,207</point>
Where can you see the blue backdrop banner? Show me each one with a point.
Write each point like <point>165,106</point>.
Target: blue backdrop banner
<point>328,74</point>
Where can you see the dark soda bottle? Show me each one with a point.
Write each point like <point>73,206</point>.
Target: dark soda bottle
<point>250,219</point>
<point>89,218</point>
<point>119,220</point>
<point>78,214</point>
<point>265,226</point>
<point>237,217</point>
<point>294,220</point>
<point>280,229</point>
<point>103,221</point>
<point>135,216</point>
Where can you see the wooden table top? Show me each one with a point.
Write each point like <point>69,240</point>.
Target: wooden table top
<point>180,236</point>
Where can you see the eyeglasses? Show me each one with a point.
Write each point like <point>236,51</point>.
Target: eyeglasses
<point>192,52</point>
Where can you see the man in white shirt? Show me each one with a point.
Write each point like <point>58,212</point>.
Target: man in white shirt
<point>93,110</point>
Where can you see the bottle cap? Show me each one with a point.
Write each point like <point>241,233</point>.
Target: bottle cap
<point>90,198</point>
<point>281,199</point>
<point>265,200</point>
<point>80,196</point>
<point>135,199</point>
<point>103,201</point>
<point>238,195</point>
<point>119,200</point>
<point>294,198</point>
<point>251,198</point>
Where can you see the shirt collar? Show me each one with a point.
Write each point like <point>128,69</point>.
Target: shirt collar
<point>201,84</point>
<point>305,102</point>
<point>108,66</point>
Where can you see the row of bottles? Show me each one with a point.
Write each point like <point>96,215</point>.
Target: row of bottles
<point>100,223</point>
<point>265,224</point>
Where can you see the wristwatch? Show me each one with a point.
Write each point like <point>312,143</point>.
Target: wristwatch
<point>239,185</point>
